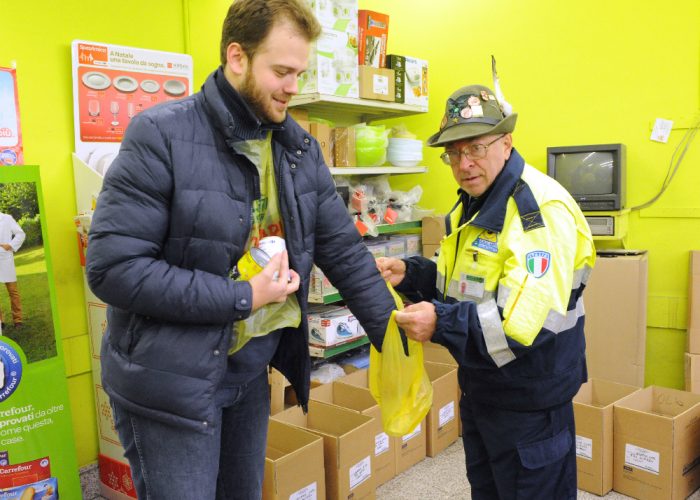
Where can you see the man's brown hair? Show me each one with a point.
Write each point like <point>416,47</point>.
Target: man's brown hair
<point>248,22</point>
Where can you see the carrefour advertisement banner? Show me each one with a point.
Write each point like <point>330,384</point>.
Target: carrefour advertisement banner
<point>37,450</point>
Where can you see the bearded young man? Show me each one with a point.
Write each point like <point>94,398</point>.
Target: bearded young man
<point>197,183</point>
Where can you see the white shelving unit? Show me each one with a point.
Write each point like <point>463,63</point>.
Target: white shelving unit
<point>377,170</point>
<point>349,110</point>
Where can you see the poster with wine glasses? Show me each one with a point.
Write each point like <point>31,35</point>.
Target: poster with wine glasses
<point>10,132</point>
<point>111,85</point>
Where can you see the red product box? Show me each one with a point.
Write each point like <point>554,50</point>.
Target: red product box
<point>24,473</point>
<point>373,31</point>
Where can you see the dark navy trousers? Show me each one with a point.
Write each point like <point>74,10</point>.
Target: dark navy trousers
<point>519,455</point>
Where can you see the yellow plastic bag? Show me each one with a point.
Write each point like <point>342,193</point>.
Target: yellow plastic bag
<point>399,383</point>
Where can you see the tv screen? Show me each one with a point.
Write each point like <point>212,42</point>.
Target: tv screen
<point>588,173</point>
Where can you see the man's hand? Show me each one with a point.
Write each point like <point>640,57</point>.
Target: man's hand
<point>418,321</point>
<point>275,282</point>
<point>392,270</point>
<point>6,247</point>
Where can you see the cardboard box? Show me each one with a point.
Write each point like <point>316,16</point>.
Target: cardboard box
<point>694,303</point>
<point>398,64</point>
<point>340,15</point>
<point>319,286</point>
<point>372,34</point>
<point>615,300</point>
<point>657,444</point>
<point>360,400</point>
<point>443,417</point>
<point>298,113</point>
<point>348,447</point>
<point>344,147</point>
<point>430,250</point>
<point>416,88</point>
<point>376,83</point>
<point>332,325</point>
<point>293,464</point>
<point>333,64</point>
<point>432,230</point>
<point>412,447</point>
<point>435,353</point>
<point>322,133</point>
<point>593,413</point>
<point>692,373</point>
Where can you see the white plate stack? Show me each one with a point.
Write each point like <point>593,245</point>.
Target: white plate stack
<point>404,152</point>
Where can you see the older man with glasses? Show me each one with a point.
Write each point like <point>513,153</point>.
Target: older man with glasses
<point>505,297</point>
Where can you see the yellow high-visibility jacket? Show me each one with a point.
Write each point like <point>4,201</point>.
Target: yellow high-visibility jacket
<point>509,283</point>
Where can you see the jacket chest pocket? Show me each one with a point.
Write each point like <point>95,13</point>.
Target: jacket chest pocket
<point>476,275</point>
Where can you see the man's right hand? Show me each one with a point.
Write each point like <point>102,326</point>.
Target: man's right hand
<point>392,270</point>
<point>275,282</point>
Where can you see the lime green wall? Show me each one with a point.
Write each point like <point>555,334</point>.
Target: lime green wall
<point>580,73</point>
<point>37,36</point>
<point>590,72</point>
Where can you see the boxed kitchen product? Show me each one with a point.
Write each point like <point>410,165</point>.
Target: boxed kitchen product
<point>656,444</point>
<point>376,247</point>
<point>348,446</point>
<point>332,325</point>
<point>443,417</point>
<point>398,64</point>
<point>332,66</point>
<point>339,15</point>
<point>396,247</point>
<point>615,300</point>
<point>344,147</point>
<point>293,463</point>
<point>376,83</point>
<point>360,400</point>
<point>412,446</point>
<point>413,246</point>
<point>319,286</point>
<point>593,413</point>
<point>692,373</point>
<point>322,133</point>
<point>416,87</point>
<point>694,303</point>
<point>372,34</point>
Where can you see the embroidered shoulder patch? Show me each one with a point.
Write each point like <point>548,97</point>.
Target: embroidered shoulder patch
<point>487,240</point>
<point>537,262</point>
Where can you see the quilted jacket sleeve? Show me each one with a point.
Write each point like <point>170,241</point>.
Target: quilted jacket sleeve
<point>125,267</point>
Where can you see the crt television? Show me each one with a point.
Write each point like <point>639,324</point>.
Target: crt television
<point>594,175</point>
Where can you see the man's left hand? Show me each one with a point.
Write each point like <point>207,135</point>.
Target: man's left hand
<point>418,321</point>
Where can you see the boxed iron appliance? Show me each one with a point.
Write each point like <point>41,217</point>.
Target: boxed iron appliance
<point>332,325</point>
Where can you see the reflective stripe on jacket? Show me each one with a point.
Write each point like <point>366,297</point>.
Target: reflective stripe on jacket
<point>519,265</point>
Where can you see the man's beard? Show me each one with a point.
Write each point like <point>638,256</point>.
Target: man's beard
<point>255,99</point>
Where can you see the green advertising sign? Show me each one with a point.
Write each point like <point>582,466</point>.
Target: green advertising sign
<point>37,450</point>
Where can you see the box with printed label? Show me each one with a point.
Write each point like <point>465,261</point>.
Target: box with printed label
<point>322,133</point>
<point>416,87</point>
<point>396,247</point>
<point>376,83</point>
<point>333,68</point>
<point>332,325</point>
<point>593,413</point>
<point>372,34</point>
<point>442,420</point>
<point>360,400</point>
<point>319,286</point>
<point>412,446</point>
<point>293,464</point>
<point>656,444</point>
<point>398,64</point>
<point>348,446</point>
<point>376,248</point>
<point>339,15</point>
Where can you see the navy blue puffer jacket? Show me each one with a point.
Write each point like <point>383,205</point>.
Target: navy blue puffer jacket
<point>173,218</point>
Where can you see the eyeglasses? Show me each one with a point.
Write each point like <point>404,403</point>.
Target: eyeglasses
<point>472,151</point>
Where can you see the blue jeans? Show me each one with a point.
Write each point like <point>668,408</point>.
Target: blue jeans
<point>169,462</point>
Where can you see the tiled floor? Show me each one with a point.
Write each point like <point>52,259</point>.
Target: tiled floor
<point>439,478</point>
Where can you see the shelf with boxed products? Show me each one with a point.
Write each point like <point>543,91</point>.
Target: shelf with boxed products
<point>377,170</point>
<point>331,351</point>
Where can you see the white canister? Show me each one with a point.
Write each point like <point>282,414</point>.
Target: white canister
<point>272,245</point>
